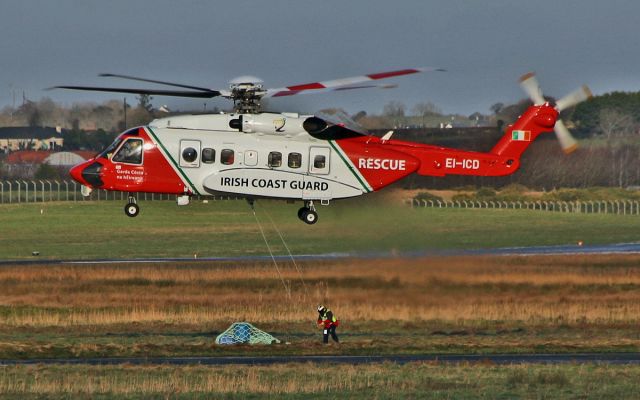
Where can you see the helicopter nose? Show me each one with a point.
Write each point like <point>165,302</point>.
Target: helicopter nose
<point>76,173</point>
<point>88,174</point>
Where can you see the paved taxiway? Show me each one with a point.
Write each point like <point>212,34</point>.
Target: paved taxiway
<point>499,359</point>
<point>620,248</point>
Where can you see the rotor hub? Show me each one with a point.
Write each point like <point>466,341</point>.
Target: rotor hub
<point>246,97</point>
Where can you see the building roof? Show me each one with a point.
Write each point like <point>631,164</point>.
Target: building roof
<point>26,132</point>
<point>64,158</point>
<point>27,157</point>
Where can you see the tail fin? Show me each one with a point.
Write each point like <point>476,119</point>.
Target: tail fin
<point>517,137</point>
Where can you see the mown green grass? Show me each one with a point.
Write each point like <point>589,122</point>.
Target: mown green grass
<point>303,381</point>
<point>227,228</point>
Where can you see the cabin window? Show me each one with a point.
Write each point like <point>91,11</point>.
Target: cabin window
<point>189,154</point>
<point>295,160</point>
<point>319,162</point>
<point>130,152</point>
<point>227,156</point>
<point>208,155</point>
<point>275,159</point>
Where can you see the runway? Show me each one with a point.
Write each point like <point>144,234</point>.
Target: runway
<point>497,359</point>
<point>569,249</point>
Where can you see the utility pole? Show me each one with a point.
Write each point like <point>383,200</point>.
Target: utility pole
<point>13,96</point>
<point>125,113</point>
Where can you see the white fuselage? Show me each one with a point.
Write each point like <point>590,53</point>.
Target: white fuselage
<point>269,155</point>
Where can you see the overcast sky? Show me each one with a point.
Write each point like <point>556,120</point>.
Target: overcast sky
<point>485,46</point>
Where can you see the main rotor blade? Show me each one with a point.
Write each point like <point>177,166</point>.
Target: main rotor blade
<point>176,93</point>
<point>344,82</point>
<point>530,85</point>
<point>340,88</point>
<point>134,78</point>
<point>567,142</point>
<point>573,98</point>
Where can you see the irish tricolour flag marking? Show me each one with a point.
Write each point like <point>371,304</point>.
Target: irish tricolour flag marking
<point>524,136</point>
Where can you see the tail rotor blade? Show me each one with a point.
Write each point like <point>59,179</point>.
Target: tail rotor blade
<point>567,142</point>
<point>530,85</point>
<point>574,98</point>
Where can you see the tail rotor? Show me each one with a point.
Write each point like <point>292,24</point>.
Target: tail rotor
<point>530,85</point>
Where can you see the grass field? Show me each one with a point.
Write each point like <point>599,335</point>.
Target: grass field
<point>228,228</point>
<point>404,306</point>
<point>386,306</point>
<point>431,305</point>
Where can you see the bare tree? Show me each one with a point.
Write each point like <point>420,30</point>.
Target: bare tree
<point>425,109</point>
<point>394,111</point>
<point>144,102</point>
<point>614,122</point>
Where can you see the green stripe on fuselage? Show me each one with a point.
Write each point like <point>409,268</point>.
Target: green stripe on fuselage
<point>175,164</point>
<point>349,165</point>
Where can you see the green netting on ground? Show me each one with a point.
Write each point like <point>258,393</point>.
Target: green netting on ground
<point>244,332</point>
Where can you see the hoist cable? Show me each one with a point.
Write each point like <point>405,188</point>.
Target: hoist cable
<point>313,326</point>
<point>293,260</point>
<point>287,289</point>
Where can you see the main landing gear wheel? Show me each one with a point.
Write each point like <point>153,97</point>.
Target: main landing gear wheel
<point>308,213</point>
<point>310,217</point>
<point>131,209</point>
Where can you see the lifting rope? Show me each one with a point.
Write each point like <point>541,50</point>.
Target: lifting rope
<point>286,288</point>
<point>293,260</point>
<point>298,269</point>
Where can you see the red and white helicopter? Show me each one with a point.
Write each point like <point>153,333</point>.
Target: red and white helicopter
<point>289,156</point>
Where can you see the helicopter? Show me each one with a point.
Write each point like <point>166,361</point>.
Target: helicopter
<point>255,154</point>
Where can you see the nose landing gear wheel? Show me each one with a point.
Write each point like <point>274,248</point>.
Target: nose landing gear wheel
<point>131,210</point>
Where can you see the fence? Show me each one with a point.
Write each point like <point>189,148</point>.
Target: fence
<point>36,191</point>
<point>623,207</point>
<point>40,191</point>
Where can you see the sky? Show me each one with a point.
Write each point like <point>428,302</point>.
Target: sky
<point>485,46</point>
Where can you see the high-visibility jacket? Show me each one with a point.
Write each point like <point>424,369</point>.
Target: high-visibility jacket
<point>327,318</point>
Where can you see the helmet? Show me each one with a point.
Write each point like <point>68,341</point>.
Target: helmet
<point>320,308</point>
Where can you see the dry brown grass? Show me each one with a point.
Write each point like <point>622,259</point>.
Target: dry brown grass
<point>275,379</point>
<point>299,381</point>
<point>535,290</point>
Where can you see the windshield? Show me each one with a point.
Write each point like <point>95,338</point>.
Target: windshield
<point>109,150</point>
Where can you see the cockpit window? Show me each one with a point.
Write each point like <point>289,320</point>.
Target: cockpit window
<point>108,152</point>
<point>130,152</point>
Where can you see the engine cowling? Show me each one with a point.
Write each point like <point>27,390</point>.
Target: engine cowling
<point>268,124</point>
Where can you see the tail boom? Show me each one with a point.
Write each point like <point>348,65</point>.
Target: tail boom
<point>382,161</point>
<point>442,161</point>
<point>503,159</point>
